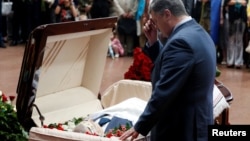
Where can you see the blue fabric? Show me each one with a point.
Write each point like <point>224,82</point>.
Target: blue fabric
<point>215,20</point>
<point>140,9</point>
<point>116,122</point>
<point>103,121</point>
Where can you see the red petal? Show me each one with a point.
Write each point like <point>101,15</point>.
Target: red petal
<point>12,97</point>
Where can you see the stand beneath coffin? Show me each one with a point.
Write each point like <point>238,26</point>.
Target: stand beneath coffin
<point>223,118</point>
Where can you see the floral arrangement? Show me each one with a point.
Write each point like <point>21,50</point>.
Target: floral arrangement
<point>141,67</point>
<point>10,128</point>
<point>117,131</point>
<point>66,126</point>
<point>72,124</point>
<point>218,72</point>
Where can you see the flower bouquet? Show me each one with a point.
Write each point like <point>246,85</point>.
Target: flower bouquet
<point>117,131</point>
<point>66,126</point>
<point>10,128</point>
<point>87,126</point>
<point>141,67</point>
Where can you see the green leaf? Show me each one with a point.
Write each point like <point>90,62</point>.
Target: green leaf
<point>10,128</point>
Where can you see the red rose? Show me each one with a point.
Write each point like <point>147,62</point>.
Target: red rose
<point>141,67</point>
<point>4,98</point>
<point>12,97</point>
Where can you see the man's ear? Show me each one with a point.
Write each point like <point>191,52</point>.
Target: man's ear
<point>167,13</point>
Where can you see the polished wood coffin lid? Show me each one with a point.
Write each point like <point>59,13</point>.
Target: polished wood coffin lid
<point>62,56</point>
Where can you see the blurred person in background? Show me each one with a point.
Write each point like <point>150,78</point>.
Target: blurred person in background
<point>100,9</point>
<point>237,16</point>
<point>66,11</point>
<point>126,25</point>
<point>2,45</point>
<point>21,22</point>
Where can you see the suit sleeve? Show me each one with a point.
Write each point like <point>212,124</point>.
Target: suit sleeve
<point>152,51</point>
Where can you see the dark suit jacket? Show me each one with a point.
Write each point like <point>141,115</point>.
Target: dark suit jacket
<point>181,105</point>
<point>188,5</point>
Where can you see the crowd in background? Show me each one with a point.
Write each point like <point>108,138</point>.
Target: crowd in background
<point>225,20</point>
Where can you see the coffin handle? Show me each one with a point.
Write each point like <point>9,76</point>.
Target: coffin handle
<point>41,117</point>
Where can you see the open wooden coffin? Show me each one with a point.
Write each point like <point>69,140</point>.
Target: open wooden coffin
<point>126,98</point>
<point>62,71</point>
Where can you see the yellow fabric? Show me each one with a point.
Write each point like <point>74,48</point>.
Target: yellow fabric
<point>248,13</point>
<point>248,9</point>
<point>204,20</point>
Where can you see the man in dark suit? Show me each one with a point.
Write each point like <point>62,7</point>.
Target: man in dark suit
<point>181,104</point>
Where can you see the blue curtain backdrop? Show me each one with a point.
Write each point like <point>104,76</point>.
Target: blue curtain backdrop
<point>215,20</point>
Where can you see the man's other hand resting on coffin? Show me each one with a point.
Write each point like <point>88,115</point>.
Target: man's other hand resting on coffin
<point>181,105</point>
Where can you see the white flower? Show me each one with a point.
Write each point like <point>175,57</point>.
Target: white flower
<point>65,127</point>
<point>14,108</point>
<point>8,101</point>
<point>71,125</point>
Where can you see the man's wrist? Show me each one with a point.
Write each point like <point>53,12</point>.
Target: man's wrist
<point>149,44</point>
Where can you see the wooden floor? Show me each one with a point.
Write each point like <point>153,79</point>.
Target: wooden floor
<point>237,80</point>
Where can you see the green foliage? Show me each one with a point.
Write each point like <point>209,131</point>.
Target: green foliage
<point>218,72</point>
<point>10,128</point>
<point>58,126</point>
